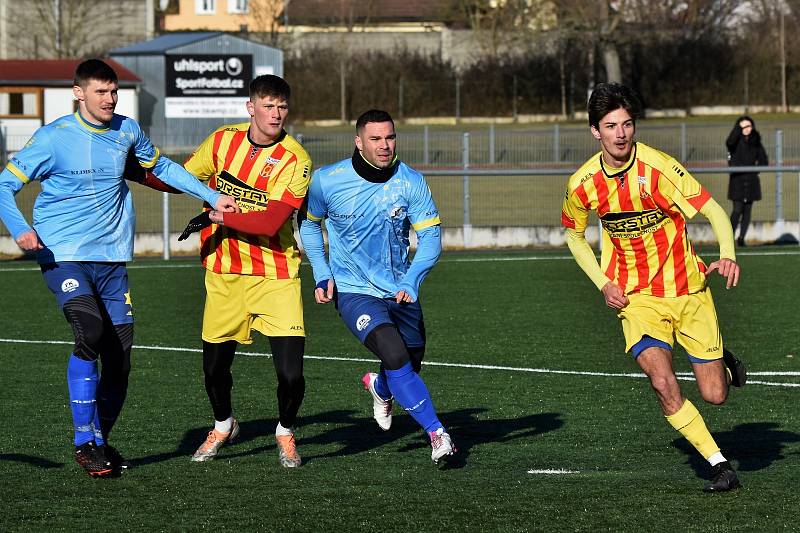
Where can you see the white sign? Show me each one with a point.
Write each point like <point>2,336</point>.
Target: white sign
<point>264,69</point>
<point>176,107</point>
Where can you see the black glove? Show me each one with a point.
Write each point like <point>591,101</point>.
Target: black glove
<point>199,222</point>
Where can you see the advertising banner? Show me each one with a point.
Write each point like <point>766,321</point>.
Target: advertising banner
<point>207,85</point>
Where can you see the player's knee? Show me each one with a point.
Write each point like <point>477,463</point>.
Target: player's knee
<point>665,385</point>
<point>87,325</point>
<point>416,355</point>
<point>385,342</point>
<point>716,396</point>
<point>117,356</point>
<point>292,379</point>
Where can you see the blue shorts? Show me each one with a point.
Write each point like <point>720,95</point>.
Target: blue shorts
<point>362,313</point>
<point>107,281</point>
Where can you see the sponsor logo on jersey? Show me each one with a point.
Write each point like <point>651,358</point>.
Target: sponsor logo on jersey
<point>398,211</point>
<point>85,171</point>
<point>643,187</point>
<point>344,216</point>
<point>628,225</point>
<point>70,285</point>
<point>248,197</point>
<point>269,167</point>
<point>362,322</point>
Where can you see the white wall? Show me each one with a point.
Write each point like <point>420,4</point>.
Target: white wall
<point>17,131</point>
<point>128,104</point>
<point>58,102</point>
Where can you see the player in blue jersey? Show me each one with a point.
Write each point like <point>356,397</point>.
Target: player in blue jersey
<point>82,234</point>
<point>370,201</point>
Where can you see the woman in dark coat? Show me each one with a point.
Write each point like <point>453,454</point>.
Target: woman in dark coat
<point>744,150</point>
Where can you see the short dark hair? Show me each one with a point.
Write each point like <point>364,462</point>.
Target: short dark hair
<point>270,85</point>
<point>373,115</point>
<point>94,69</point>
<point>608,97</point>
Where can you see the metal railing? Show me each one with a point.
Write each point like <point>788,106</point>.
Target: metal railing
<point>498,178</point>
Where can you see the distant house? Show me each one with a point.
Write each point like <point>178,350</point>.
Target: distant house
<point>35,92</point>
<point>430,27</point>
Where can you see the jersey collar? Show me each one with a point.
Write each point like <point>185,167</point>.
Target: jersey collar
<point>611,172</point>
<point>96,128</point>
<point>281,137</point>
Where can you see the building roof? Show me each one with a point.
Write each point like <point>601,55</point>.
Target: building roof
<point>164,43</point>
<point>314,12</point>
<point>54,72</point>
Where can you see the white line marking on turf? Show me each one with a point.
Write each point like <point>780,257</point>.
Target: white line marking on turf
<point>549,471</point>
<point>685,376</point>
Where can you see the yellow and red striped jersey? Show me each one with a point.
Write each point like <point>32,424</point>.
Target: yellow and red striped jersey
<point>643,208</point>
<point>253,174</point>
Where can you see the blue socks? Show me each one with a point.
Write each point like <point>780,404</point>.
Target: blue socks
<point>82,382</point>
<point>382,385</point>
<point>411,393</point>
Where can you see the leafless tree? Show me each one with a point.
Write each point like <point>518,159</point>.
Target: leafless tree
<point>503,27</point>
<point>72,28</point>
<point>266,17</point>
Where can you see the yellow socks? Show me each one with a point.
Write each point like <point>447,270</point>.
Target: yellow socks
<point>688,421</point>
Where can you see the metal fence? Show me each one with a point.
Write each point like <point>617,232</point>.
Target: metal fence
<point>502,177</point>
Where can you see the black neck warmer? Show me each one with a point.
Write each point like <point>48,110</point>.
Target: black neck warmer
<point>370,173</point>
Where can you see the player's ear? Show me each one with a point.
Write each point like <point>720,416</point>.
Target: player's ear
<point>595,132</point>
<point>359,144</point>
<point>251,109</point>
<point>77,91</point>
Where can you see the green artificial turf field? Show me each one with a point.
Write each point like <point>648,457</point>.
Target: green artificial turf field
<point>557,429</point>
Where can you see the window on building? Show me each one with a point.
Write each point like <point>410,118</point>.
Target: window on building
<point>237,6</point>
<point>206,7</point>
<point>20,103</point>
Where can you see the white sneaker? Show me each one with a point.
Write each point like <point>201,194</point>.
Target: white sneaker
<point>381,409</point>
<point>441,444</point>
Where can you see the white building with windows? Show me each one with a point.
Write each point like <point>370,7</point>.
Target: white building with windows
<point>36,92</point>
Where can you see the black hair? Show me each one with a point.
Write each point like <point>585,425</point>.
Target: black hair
<point>373,115</point>
<point>270,85</point>
<point>748,119</point>
<point>608,97</point>
<point>94,69</point>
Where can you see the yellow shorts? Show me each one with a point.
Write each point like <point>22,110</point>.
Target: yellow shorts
<point>691,319</point>
<point>237,304</point>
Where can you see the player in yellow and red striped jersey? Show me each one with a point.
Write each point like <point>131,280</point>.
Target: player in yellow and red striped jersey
<point>649,271</point>
<point>252,261</point>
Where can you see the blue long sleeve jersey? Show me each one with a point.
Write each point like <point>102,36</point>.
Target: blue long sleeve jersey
<point>84,211</point>
<point>368,227</point>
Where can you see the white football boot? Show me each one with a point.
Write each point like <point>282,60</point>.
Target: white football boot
<point>441,444</point>
<point>381,409</point>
